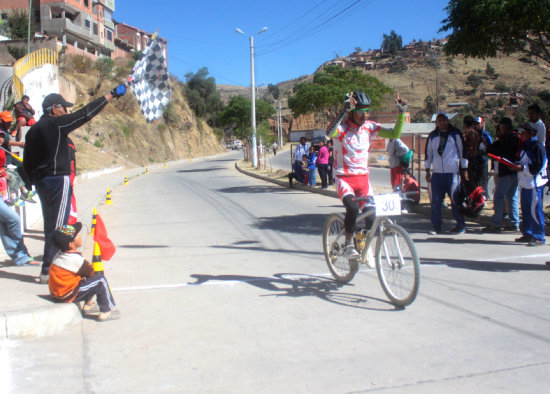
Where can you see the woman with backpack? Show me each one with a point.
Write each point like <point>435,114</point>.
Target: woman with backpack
<point>399,158</point>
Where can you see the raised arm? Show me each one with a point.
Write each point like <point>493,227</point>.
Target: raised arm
<point>398,127</point>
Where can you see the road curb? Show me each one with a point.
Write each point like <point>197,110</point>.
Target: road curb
<point>39,322</point>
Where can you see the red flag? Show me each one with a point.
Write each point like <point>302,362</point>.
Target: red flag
<point>502,160</point>
<point>107,248</point>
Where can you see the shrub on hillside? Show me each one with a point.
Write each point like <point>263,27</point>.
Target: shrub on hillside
<point>398,67</point>
<point>78,64</point>
<point>105,66</point>
<point>170,115</point>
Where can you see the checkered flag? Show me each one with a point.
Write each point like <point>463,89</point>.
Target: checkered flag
<point>149,81</point>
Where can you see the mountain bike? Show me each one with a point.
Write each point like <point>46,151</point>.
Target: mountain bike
<point>396,259</point>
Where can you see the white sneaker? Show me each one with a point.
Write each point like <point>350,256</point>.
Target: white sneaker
<point>371,261</point>
<point>350,253</point>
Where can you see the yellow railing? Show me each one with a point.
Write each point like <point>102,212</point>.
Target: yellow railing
<point>29,62</point>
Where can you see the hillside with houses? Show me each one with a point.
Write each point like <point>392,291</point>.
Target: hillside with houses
<point>432,81</point>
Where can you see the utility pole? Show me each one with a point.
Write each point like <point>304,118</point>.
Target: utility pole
<point>29,29</point>
<point>253,98</point>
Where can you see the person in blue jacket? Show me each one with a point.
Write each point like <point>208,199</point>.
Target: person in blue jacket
<point>531,178</point>
<point>311,159</point>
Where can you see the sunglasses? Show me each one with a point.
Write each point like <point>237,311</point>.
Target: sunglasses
<point>364,110</point>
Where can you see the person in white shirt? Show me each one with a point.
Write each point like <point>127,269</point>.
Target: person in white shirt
<point>535,117</point>
<point>301,150</point>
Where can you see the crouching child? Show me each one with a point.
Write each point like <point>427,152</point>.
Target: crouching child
<point>72,277</point>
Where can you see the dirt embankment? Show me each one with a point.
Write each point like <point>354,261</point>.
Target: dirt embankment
<point>121,136</point>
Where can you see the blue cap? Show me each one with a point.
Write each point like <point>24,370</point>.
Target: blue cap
<point>442,113</point>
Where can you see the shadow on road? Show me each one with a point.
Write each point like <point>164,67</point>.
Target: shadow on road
<point>257,189</point>
<point>459,241</point>
<point>262,249</point>
<point>300,285</point>
<point>142,246</point>
<point>296,224</point>
<point>16,276</point>
<point>490,266</point>
<point>204,169</point>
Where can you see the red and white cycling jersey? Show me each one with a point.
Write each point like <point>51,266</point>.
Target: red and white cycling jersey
<point>351,147</point>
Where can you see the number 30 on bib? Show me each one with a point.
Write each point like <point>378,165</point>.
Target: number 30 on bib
<point>388,204</point>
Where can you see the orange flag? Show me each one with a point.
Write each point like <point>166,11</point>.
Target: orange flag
<point>107,248</point>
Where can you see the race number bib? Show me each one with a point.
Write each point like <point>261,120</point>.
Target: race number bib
<point>388,204</point>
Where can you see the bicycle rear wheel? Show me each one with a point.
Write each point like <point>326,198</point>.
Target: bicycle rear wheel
<point>397,264</point>
<point>334,242</point>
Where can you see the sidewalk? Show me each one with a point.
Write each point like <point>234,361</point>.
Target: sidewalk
<point>26,309</point>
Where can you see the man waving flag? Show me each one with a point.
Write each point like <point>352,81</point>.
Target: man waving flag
<point>150,82</point>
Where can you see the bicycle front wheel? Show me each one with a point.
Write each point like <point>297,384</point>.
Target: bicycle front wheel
<point>334,243</point>
<point>397,264</point>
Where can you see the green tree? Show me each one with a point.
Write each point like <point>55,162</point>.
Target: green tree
<point>236,115</point>
<point>17,25</point>
<point>202,95</point>
<point>274,90</point>
<point>326,92</point>
<point>17,52</point>
<point>490,71</point>
<point>392,43</point>
<point>357,50</point>
<point>474,81</point>
<point>480,28</point>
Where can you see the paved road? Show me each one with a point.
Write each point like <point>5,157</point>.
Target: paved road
<point>223,288</point>
<point>378,176</point>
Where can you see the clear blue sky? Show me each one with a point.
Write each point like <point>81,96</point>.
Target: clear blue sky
<point>301,35</point>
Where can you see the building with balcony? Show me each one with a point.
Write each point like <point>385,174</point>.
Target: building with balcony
<point>86,25</point>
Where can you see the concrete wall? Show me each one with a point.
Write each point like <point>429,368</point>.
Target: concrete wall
<point>40,82</point>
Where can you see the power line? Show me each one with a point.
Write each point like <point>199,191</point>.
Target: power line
<point>218,77</point>
<point>349,6</point>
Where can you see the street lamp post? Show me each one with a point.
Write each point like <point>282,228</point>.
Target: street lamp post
<point>29,29</point>
<point>253,97</point>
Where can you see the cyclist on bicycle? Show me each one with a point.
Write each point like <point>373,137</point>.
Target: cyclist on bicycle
<point>352,142</point>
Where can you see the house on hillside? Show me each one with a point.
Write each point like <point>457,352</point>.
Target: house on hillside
<point>130,38</point>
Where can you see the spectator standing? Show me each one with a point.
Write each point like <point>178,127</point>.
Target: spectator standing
<point>301,149</point>
<point>322,163</point>
<point>12,238</point>
<point>507,147</point>
<point>471,151</point>
<point>445,165</point>
<point>485,140</point>
<point>532,178</point>
<point>24,113</point>
<point>330,162</point>
<point>396,150</point>
<point>534,113</point>
<point>47,161</point>
<point>311,160</point>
